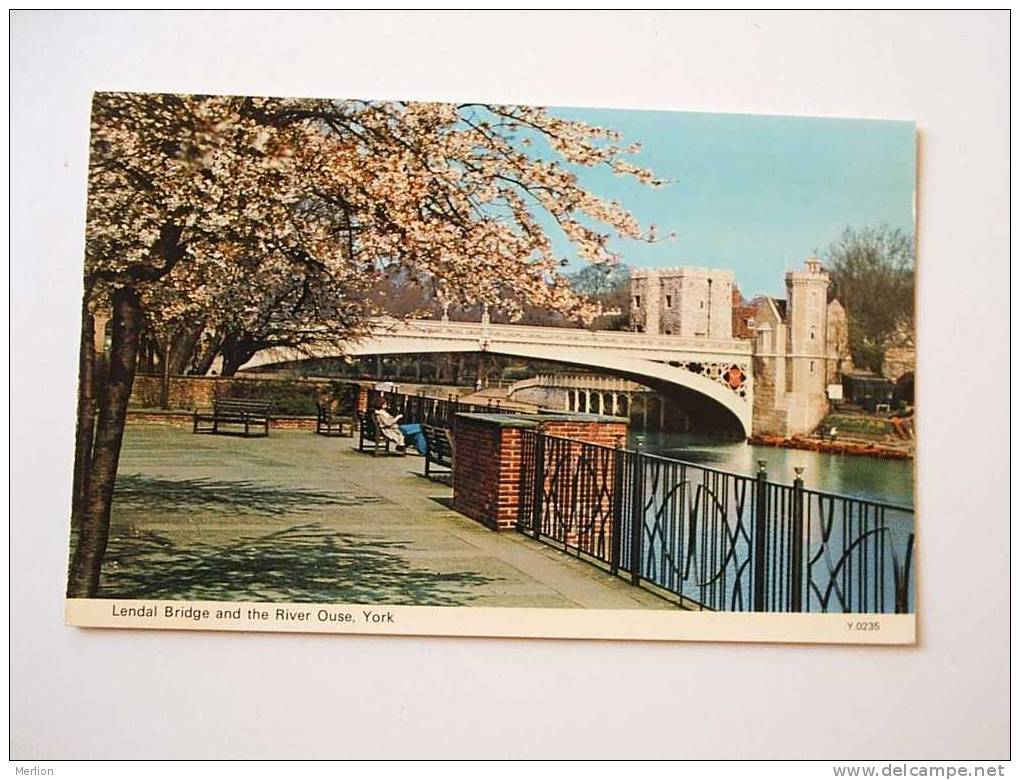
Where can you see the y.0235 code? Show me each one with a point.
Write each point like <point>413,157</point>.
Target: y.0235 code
<point>863,625</point>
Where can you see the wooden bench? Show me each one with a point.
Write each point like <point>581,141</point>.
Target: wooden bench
<point>440,450</point>
<point>332,424</point>
<point>235,411</point>
<point>369,432</point>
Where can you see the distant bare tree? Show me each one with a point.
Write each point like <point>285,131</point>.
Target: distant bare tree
<point>872,272</point>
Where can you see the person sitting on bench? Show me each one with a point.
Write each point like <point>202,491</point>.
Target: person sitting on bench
<point>389,425</point>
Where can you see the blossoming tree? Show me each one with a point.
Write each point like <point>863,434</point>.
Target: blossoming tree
<point>267,219</point>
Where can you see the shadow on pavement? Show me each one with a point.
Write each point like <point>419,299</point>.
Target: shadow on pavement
<point>444,501</point>
<point>307,563</point>
<point>153,494</point>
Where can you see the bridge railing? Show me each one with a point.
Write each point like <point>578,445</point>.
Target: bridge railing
<point>581,381</point>
<point>570,336</point>
<point>714,539</point>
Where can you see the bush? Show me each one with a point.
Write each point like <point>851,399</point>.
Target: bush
<point>289,397</point>
<point>875,426</point>
<point>513,373</point>
<point>343,396</point>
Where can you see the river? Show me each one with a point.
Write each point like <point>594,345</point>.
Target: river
<point>877,479</point>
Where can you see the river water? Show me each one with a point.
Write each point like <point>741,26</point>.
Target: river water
<point>877,479</point>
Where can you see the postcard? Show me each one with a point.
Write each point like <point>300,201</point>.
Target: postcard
<point>356,366</point>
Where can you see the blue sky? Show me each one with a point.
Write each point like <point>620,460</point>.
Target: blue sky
<point>756,194</point>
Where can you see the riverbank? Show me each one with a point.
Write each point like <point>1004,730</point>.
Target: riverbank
<point>854,433</point>
<point>837,447</point>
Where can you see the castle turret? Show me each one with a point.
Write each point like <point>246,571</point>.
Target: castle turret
<point>806,335</point>
<point>793,354</point>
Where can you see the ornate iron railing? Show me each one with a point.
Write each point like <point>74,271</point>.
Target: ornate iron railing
<point>714,539</point>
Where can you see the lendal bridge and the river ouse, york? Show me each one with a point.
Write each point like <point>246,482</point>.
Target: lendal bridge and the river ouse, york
<point>707,537</point>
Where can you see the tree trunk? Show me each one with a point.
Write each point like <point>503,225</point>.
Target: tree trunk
<point>183,349</point>
<point>164,390</point>
<point>236,351</point>
<point>145,357</point>
<point>94,524</point>
<point>86,423</point>
<point>235,358</point>
<point>204,360</point>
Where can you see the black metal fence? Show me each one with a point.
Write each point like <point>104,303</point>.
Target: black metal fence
<point>714,539</point>
<point>430,411</point>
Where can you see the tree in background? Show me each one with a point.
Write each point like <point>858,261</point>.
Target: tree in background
<point>219,218</point>
<point>872,272</point>
<point>604,284</point>
<point>609,285</point>
<point>600,278</point>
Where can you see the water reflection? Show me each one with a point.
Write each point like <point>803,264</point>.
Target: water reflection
<point>878,479</point>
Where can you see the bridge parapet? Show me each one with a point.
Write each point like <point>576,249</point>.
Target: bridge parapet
<point>571,337</point>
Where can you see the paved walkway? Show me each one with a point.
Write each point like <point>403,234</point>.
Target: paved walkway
<point>300,517</point>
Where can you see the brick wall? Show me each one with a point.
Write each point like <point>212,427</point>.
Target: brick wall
<point>487,469</point>
<point>594,431</point>
<point>199,392</point>
<point>186,392</point>
<point>364,391</point>
<point>186,419</point>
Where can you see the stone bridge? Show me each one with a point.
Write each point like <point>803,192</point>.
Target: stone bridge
<point>715,369</point>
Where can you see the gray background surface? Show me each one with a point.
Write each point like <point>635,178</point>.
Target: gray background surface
<point>91,694</point>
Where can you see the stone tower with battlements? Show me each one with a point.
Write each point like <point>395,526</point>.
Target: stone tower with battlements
<point>806,332</point>
<point>794,359</point>
<point>685,301</point>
